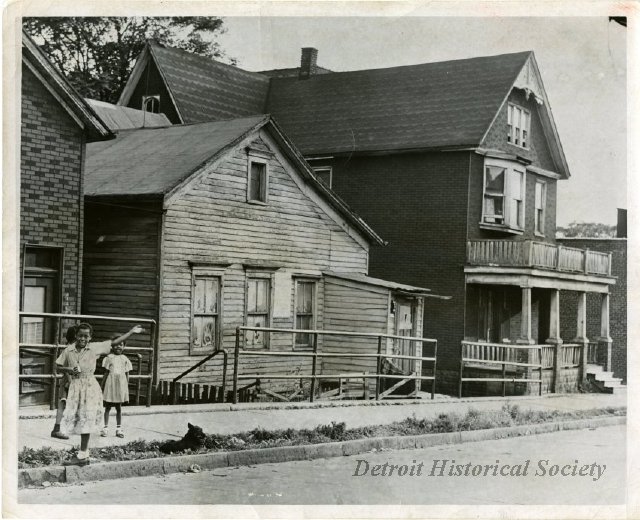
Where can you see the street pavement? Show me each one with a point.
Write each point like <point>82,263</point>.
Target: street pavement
<point>334,481</point>
<point>170,422</point>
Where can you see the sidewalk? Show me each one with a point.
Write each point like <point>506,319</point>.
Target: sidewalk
<point>170,422</point>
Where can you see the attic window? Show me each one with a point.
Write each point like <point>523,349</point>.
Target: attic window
<point>518,126</point>
<point>257,181</point>
<point>151,104</point>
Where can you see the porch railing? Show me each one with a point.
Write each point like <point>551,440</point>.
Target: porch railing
<point>529,253</point>
<point>592,352</point>
<point>502,355</point>
<point>52,350</point>
<point>378,340</point>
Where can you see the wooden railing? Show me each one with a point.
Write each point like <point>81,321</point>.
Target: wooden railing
<point>504,355</point>
<point>528,253</point>
<point>376,354</point>
<point>592,352</point>
<point>570,355</point>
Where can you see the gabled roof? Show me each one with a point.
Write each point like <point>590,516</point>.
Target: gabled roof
<point>428,106</point>
<point>154,161</point>
<point>202,89</point>
<point>62,90</point>
<point>432,106</point>
<point>122,118</point>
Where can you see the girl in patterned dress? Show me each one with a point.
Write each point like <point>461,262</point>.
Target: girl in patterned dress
<point>83,411</point>
<point>115,386</point>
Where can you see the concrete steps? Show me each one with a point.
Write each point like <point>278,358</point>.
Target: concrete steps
<point>604,380</point>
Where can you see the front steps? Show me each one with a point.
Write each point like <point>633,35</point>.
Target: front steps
<point>604,381</point>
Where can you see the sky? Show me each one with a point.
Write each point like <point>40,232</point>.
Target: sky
<point>582,61</point>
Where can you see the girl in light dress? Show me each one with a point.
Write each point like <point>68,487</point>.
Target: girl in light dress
<point>115,386</point>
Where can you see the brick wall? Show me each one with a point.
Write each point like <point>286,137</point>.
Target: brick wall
<point>417,203</point>
<point>51,181</point>
<point>617,302</point>
<point>538,151</point>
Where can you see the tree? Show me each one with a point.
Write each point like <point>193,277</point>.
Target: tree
<point>587,229</point>
<point>97,54</point>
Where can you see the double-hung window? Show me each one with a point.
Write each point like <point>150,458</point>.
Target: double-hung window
<point>540,203</point>
<point>258,310</point>
<point>504,191</point>
<point>518,120</point>
<point>305,306</point>
<point>205,311</point>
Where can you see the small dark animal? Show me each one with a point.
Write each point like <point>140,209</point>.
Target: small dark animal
<point>193,440</point>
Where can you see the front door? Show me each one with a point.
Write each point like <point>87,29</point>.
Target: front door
<point>40,293</point>
<point>405,310</point>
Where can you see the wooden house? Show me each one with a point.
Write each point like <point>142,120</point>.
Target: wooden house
<point>56,124</point>
<point>455,163</point>
<point>211,226</point>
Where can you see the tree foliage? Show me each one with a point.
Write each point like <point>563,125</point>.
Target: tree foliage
<point>97,54</point>
<point>587,230</point>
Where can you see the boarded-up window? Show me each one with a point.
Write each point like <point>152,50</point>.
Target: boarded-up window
<point>206,313</point>
<point>258,310</point>
<point>257,182</point>
<point>305,311</point>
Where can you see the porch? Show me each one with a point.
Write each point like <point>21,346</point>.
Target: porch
<point>513,306</point>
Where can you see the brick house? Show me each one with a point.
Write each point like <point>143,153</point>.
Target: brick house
<point>56,124</point>
<point>616,365</point>
<point>210,226</point>
<point>455,163</point>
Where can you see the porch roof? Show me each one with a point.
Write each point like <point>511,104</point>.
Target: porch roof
<point>411,290</point>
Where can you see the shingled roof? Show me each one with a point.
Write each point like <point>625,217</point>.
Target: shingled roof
<point>151,161</point>
<point>203,89</point>
<point>154,161</point>
<point>434,105</point>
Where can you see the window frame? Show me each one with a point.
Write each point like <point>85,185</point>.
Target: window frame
<point>543,209</point>
<point>251,160</point>
<point>317,169</point>
<point>258,275</point>
<point>510,169</point>
<point>200,273</point>
<point>516,132</point>
<point>313,313</point>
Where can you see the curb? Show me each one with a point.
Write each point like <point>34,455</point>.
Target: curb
<point>183,463</point>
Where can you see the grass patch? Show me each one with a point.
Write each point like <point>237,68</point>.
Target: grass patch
<point>509,415</point>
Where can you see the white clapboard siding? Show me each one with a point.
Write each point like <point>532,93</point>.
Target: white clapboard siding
<point>212,221</point>
<point>355,307</point>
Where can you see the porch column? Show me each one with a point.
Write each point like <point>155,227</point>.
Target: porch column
<point>605,341</point>
<point>525,320</point>
<point>554,336</point>
<point>581,335</point>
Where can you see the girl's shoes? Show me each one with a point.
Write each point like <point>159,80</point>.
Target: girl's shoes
<point>119,433</point>
<point>103,432</point>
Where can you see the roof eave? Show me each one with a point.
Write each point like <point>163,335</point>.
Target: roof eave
<point>96,129</point>
<point>336,202</point>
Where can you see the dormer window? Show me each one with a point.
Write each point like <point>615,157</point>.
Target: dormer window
<point>503,198</point>
<point>518,126</point>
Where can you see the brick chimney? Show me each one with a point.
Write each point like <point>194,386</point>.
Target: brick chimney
<point>621,228</point>
<point>308,65</point>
